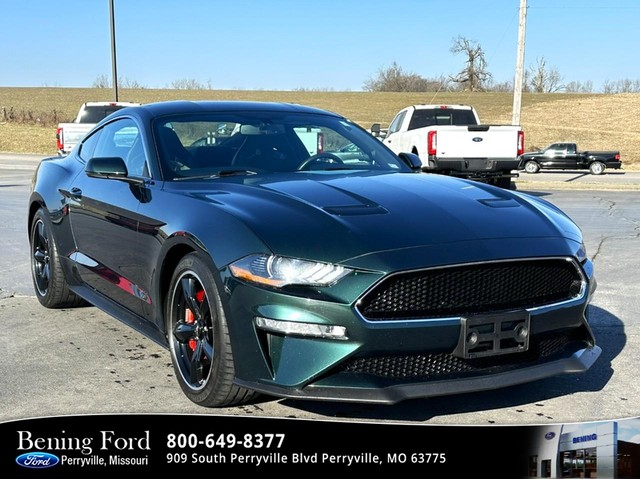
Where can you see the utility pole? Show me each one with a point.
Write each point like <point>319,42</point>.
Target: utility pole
<point>114,68</point>
<point>519,78</point>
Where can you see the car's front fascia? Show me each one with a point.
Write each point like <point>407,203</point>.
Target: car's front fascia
<point>342,356</point>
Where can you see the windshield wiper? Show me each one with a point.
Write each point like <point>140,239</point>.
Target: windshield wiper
<point>234,172</point>
<point>220,174</point>
<point>336,168</point>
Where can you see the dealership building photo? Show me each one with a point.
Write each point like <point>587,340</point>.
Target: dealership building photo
<point>609,449</point>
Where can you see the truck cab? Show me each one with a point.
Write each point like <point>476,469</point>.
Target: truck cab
<point>563,155</point>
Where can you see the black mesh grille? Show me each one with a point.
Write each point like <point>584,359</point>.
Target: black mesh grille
<point>440,366</point>
<point>471,289</point>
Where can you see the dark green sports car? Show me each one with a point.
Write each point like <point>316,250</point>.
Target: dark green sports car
<point>281,249</point>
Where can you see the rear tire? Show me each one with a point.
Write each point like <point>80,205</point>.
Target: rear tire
<point>199,338</point>
<point>46,271</point>
<point>597,168</point>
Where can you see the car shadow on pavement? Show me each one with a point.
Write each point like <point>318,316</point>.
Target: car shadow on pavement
<point>610,336</point>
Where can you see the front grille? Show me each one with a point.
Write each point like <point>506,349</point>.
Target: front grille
<point>441,366</point>
<point>472,289</point>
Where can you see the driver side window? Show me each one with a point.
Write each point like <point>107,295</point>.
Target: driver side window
<point>397,121</point>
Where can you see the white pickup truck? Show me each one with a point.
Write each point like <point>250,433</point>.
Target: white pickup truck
<point>90,113</point>
<point>449,139</point>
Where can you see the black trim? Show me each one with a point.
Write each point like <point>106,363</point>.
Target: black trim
<point>579,362</point>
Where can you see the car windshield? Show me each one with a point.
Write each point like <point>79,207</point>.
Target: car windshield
<point>220,144</point>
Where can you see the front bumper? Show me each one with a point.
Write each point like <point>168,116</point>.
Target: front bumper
<point>390,361</point>
<point>578,362</point>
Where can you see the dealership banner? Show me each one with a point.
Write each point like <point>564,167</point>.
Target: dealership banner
<point>70,446</point>
<point>84,445</point>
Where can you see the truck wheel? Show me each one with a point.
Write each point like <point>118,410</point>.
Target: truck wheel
<point>597,168</point>
<point>531,166</point>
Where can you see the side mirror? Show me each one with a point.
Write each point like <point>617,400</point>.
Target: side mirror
<point>412,160</point>
<point>375,129</point>
<point>109,168</point>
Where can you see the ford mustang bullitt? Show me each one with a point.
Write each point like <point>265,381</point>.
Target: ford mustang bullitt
<point>281,249</point>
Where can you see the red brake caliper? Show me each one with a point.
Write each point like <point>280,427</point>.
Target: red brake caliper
<point>190,318</point>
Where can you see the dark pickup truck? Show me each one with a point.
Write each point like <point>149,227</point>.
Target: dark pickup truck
<point>565,156</point>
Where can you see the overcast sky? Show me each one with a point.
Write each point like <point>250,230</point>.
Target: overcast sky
<point>293,44</point>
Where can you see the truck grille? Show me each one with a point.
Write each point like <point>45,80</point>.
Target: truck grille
<point>472,289</point>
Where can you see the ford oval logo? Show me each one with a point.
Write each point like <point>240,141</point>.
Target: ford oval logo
<point>37,460</point>
<point>550,435</point>
<point>477,139</point>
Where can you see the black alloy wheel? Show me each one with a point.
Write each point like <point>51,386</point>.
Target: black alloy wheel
<point>199,338</point>
<point>46,271</point>
<point>40,257</point>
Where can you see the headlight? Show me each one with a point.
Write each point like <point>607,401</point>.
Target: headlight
<point>581,254</point>
<point>278,271</point>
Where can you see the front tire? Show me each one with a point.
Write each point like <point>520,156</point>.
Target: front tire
<point>531,167</point>
<point>597,168</point>
<point>46,271</point>
<point>199,338</point>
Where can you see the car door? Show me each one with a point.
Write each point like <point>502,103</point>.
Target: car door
<point>104,218</point>
<point>571,157</point>
<point>554,156</point>
<point>395,139</point>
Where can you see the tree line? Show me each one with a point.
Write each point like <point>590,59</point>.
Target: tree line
<point>540,77</point>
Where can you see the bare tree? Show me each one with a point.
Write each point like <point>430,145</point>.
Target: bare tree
<point>544,78</point>
<point>625,85</point>
<point>394,78</point>
<point>505,86</point>
<point>190,84</point>
<point>101,81</point>
<point>475,75</point>
<point>579,87</point>
<point>129,83</point>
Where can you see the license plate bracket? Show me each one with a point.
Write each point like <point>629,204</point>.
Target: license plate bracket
<point>493,334</point>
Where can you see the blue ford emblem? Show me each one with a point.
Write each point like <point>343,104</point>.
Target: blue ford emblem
<point>37,460</point>
<point>550,435</point>
<point>477,139</point>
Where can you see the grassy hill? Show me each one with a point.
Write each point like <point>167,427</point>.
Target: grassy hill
<point>28,116</point>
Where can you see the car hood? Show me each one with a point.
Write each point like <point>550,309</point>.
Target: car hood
<point>341,217</point>
<point>530,154</point>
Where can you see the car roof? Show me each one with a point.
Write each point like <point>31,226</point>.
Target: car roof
<point>110,103</point>
<point>441,106</point>
<point>186,107</point>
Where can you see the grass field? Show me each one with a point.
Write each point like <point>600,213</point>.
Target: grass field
<point>594,121</point>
